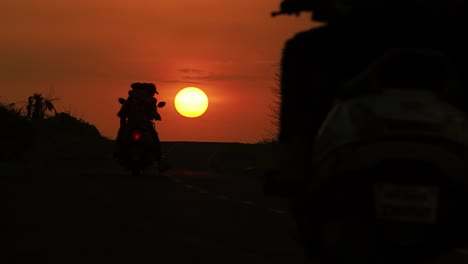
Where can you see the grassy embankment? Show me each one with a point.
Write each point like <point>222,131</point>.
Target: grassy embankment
<point>64,141</point>
<point>61,140</point>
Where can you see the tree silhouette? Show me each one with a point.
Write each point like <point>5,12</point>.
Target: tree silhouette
<point>275,108</point>
<point>38,106</point>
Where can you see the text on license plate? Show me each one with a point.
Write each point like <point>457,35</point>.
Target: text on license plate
<point>408,203</point>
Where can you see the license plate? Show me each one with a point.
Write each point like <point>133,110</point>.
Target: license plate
<point>406,203</point>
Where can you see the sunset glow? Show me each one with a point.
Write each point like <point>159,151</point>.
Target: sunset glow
<point>87,53</point>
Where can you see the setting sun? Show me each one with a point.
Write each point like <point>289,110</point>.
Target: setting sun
<point>191,102</point>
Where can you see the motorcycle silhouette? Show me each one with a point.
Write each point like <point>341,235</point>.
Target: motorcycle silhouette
<point>138,141</point>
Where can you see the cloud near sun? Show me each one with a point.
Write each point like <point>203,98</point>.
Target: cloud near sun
<point>199,74</point>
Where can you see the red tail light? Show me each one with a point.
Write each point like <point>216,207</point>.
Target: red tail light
<point>136,136</point>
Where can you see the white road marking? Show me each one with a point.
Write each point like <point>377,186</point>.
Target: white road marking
<point>246,202</point>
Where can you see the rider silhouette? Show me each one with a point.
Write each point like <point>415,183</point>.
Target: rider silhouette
<point>321,61</point>
<point>139,110</point>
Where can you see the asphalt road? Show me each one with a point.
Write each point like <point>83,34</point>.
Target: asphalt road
<point>105,215</point>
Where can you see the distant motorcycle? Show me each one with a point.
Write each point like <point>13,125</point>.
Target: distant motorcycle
<point>138,152</point>
<point>390,178</point>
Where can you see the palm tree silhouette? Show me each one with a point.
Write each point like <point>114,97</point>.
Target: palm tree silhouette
<point>38,106</point>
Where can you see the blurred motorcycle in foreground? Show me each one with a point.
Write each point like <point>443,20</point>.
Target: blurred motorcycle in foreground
<point>388,176</point>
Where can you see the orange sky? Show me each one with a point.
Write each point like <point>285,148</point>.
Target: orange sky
<point>88,52</point>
